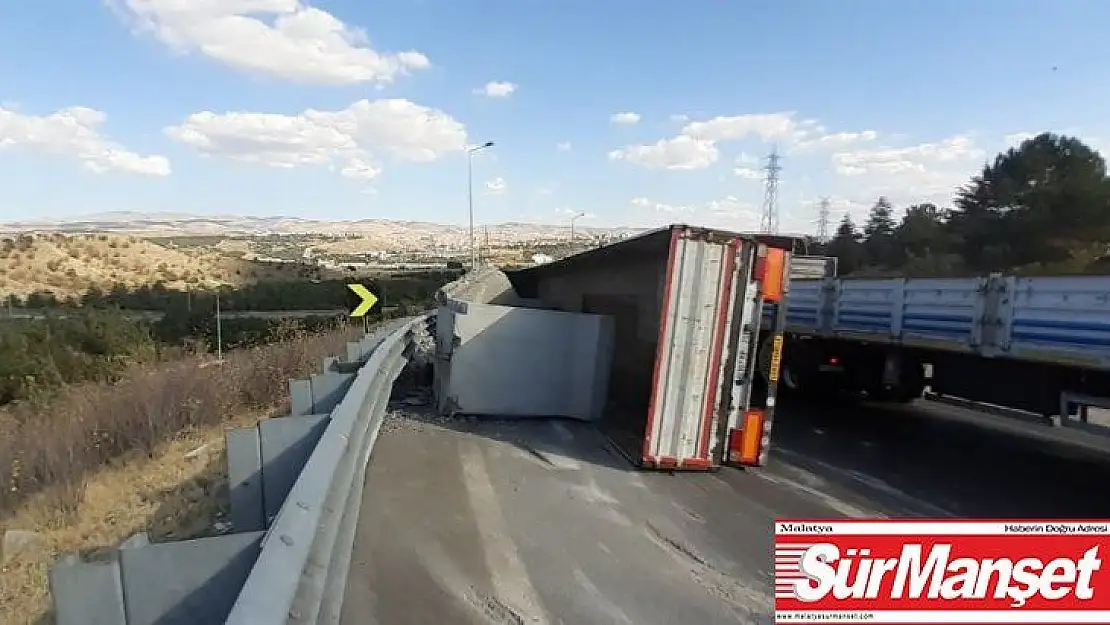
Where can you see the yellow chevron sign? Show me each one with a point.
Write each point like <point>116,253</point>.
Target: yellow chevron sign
<point>368,299</point>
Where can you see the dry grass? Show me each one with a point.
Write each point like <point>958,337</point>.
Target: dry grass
<point>54,447</point>
<point>164,493</point>
<point>100,463</point>
<point>68,265</point>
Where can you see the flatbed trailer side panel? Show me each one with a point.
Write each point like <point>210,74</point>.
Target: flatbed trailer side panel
<point>940,312</point>
<point>1061,320</point>
<point>865,307</point>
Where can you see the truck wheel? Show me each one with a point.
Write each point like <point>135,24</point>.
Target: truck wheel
<point>791,382</point>
<point>911,387</point>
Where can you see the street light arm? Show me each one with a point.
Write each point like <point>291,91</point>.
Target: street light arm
<point>470,197</point>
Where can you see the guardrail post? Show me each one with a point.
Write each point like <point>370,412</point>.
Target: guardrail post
<point>328,390</point>
<point>354,352</point>
<point>286,443</point>
<point>206,574</point>
<point>244,473</point>
<point>88,593</point>
<point>300,396</point>
<point>319,394</point>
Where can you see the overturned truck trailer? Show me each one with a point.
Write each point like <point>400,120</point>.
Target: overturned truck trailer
<point>657,338</point>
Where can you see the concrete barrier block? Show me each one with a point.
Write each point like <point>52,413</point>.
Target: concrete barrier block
<point>285,443</point>
<point>328,390</point>
<point>186,582</point>
<point>88,593</point>
<point>142,539</point>
<point>244,469</point>
<point>300,396</point>
<point>354,351</point>
<point>329,363</point>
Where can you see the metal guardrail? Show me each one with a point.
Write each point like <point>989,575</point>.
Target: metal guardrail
<point>301,572</point>
<point>287,566</point>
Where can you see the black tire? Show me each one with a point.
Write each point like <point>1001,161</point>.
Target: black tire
<point>911,388</point>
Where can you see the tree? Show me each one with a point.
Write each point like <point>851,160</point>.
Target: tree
<point>1035,203</point>
<point>845,245</point>
<point>879,230</point>
<point>922,232</point>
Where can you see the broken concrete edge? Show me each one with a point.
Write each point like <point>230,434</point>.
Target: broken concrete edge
<point>482,285</point>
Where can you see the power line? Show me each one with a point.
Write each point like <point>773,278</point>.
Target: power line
<point>823,220</point>
<point>769,221</point>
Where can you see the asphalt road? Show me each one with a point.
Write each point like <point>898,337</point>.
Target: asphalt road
<point>955,461</point>
<point>540,522</point>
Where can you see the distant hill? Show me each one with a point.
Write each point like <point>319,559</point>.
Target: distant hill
<point>394,234</point>
<point>190,251</point>
<point>69,264</point>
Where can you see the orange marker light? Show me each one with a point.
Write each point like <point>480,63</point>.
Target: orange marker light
<point>773,273</point>
<point>746,443</point>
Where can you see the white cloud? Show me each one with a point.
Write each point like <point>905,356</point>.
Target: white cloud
<point>679,153</point>
<point>660,207</point>
<point>696,146</point>
<point>834,141</point>
<point>625,118</point>
<point>286,39</point>
<point>728,212</point>
<point>746,167</point>
<point>768,126</point>
<point>680,118</point>
<point>351,139</point>
<point>74,133</point>
<point>497,89</point>
<point>497,186</point>
<point>358,169</point>
<point>913,159</point>
<point>563,146</point>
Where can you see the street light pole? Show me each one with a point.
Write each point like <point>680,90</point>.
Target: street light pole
<point>470,196</point>
<point>572,220</point>
<point>219,330</point>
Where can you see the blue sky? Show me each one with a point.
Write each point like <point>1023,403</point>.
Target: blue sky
<point>345,109</point>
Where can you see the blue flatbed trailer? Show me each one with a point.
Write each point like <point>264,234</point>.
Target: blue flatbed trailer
<point>1039,344</point>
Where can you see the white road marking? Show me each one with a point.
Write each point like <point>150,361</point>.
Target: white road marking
<point>509,576</point>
